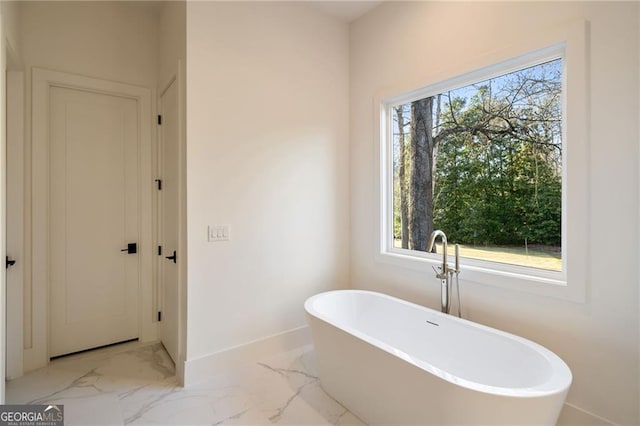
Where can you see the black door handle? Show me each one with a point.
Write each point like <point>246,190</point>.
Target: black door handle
<point>174,257</point>
<point>10,262</point>
<point>132,248</point>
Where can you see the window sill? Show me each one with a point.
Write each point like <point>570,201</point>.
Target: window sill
<point>473,271</point>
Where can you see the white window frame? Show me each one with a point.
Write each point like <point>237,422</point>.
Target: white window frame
<point>570,44</point>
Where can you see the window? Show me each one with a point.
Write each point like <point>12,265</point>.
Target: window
<point>483,162</point>
<point>500,164</point>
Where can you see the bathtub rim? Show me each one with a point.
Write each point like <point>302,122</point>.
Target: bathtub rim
<point>559,382</point>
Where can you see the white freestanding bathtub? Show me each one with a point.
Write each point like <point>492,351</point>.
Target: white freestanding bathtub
<point>393,362</point>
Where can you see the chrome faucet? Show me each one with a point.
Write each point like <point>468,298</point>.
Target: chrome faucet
<point>445,272</point>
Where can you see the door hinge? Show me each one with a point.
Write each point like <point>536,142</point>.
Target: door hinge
<point>159,182</point>
<point>159,250</point>
<point>159,316</point>
<point>159,120</point>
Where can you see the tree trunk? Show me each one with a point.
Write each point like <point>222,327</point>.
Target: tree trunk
<point>404,197</point>
<point>421,149</point>
<point>436,145</point>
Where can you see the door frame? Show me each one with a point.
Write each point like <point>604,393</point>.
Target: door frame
<point>15,211</point>
<point>42,80</point>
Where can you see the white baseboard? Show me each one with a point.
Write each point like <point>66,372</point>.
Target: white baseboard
<point>574,416</point>
<point>206,367</point>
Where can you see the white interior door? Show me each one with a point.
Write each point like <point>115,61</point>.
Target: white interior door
<point>169,205</point>
<point>94,196</point>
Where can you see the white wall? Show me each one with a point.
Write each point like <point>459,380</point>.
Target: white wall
<point>11,24</point>
<point>173,38</point>
<point>110,40</point>
<point>403,42</point>
<point>267,154</point>
<point>115,41</point>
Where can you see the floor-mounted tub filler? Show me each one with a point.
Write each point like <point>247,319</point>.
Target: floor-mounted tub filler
<point>393,362</point>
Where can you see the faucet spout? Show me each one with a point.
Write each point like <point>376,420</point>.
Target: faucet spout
<point>432,241</point>
<point>445,302</point>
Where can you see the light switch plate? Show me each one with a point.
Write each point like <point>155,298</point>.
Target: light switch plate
<point>218,233</point>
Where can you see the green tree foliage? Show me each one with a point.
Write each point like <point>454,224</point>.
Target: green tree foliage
<point>497,151</point>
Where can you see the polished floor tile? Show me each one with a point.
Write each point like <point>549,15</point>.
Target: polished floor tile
<point>136,384</point>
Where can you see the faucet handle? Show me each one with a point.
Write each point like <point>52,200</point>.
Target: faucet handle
<point>439,272</point>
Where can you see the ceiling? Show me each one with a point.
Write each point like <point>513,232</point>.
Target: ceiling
<point>346,10</point>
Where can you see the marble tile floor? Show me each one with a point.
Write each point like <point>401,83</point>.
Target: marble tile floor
<point>135,384</point>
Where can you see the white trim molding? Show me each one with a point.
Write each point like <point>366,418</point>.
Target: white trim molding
<point>37,355</point>
<point>208,366</point>
<point>15,211</point>
<point>572,415</point>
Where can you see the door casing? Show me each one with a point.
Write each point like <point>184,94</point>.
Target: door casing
<point>15,222</point>
<point>37,355</point>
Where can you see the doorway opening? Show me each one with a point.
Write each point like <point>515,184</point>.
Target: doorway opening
<point>91,239</point>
